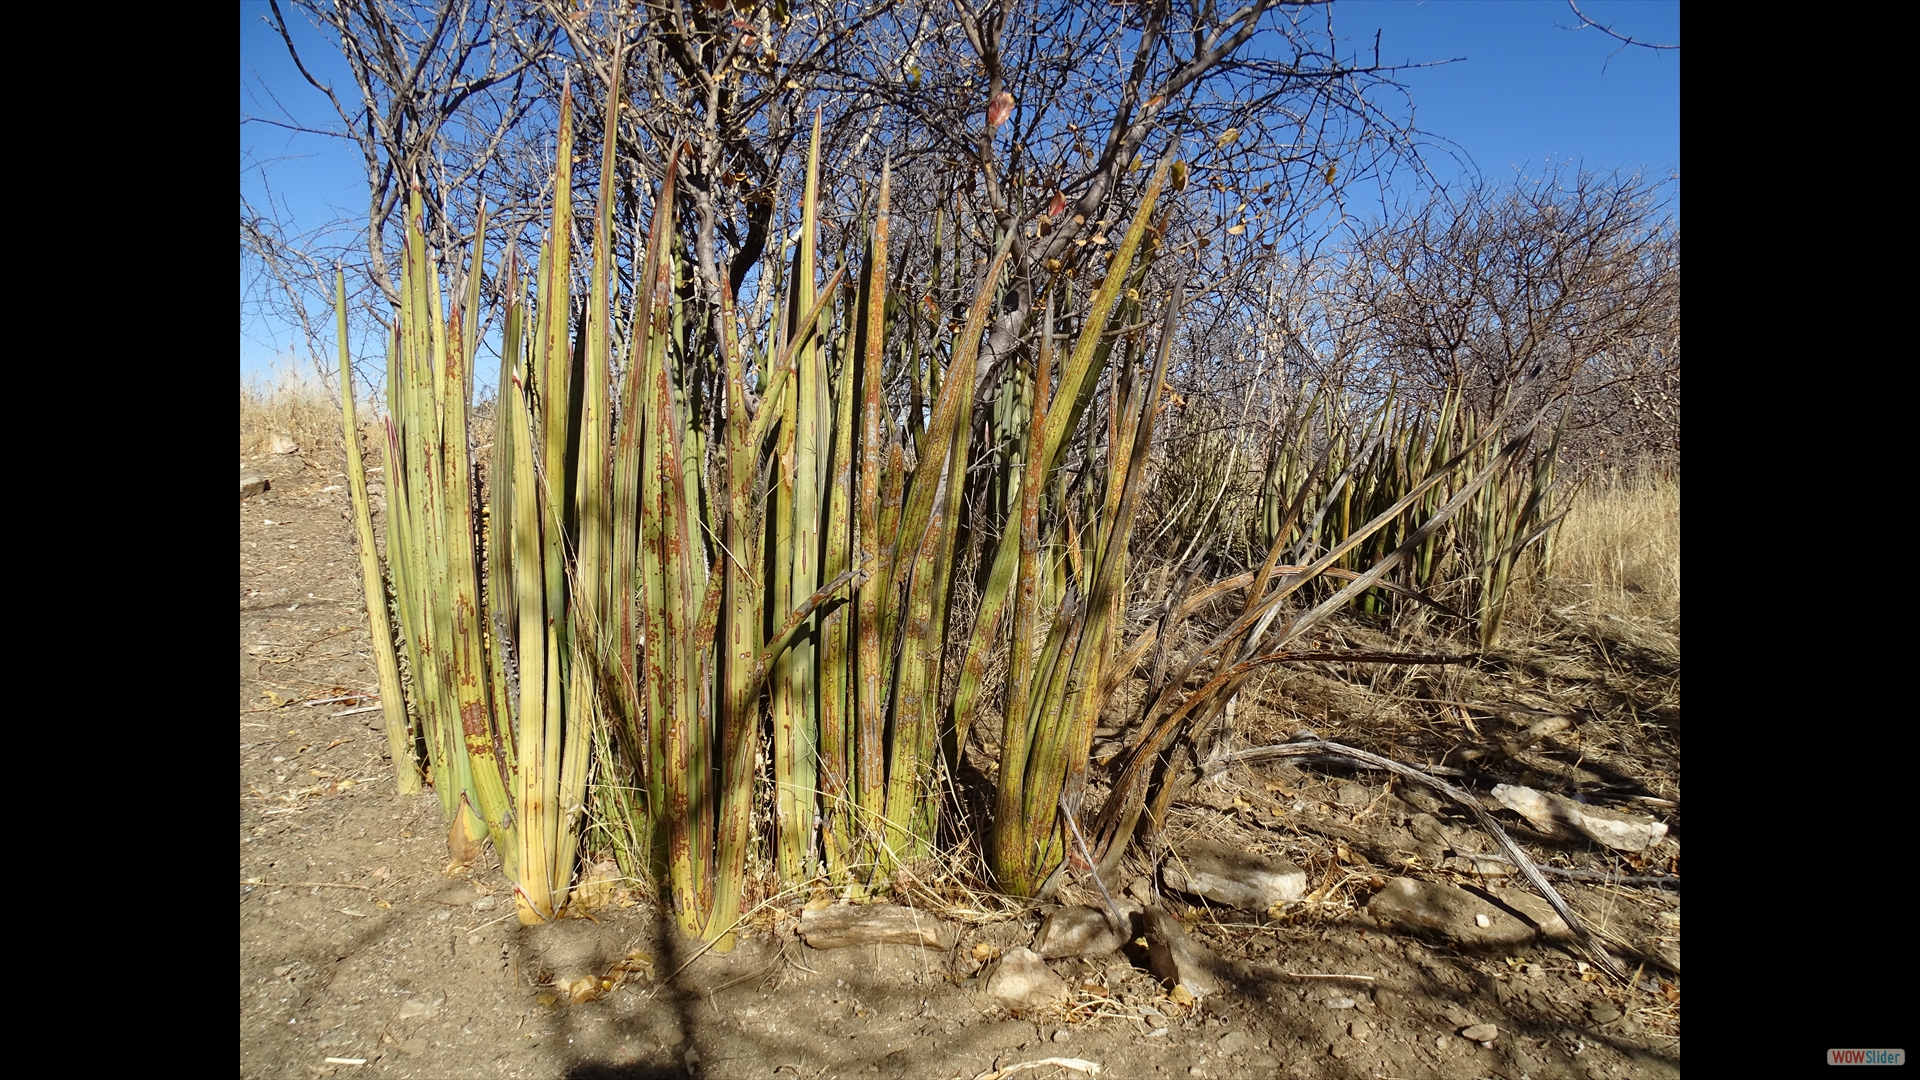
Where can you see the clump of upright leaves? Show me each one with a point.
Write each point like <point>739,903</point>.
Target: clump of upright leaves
<point>644,603</point>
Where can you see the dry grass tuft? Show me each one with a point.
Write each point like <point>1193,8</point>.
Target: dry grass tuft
<point>292,403</point>
<point>1614,574</point>
<point>1622,542</point>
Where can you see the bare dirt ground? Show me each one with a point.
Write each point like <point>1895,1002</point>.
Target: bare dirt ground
<point>361,954</point>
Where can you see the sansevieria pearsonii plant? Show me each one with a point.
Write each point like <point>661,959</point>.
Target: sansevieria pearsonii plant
<point>672,588</point>
<point>503,698</point>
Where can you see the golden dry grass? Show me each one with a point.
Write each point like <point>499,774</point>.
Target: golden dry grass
<point>1614,571</point>
<point>1621,543</point>
<point>288,402</point>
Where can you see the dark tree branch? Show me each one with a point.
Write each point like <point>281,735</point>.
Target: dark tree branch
<point>1623,39</point>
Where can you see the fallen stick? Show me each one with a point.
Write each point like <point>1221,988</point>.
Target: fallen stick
<point>1665,881</point>
<point>1517,857</point>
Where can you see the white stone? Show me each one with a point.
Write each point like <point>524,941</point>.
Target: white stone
<point>1023,981</point>
<point>1557,815</point>
<point>1227,875</point>
<point>1084,931</point>
<point>868,924</point>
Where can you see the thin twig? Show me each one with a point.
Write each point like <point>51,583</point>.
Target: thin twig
<point>304,885</point>
<point>1093,868</point>
<point>1611,32</point>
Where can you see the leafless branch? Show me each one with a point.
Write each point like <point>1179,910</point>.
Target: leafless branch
<point>1611,32</point>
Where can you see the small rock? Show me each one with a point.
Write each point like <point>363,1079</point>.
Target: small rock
<point>1084,931</point>
<point>1022,981</point>
<point>1353,796</point>
<point>486,903</point>
<point>1534,909</point>
<point>1442,1042</point>
<point>1480,1033</point>
<point>1339,1003</point>
<point>1429,830</point>
<point>1603,1013</point>
<point>1061,1035</point>
<point>1141,889</point>
<point>413,1007</point>
<point>1358,1030</point>
<point>849,924</point>
<point>1490,867</point>
<point>1448,912</point>
<point>1227,875</point>
<point>1557,815</point>
<point>281,443</point>
<point>252,484</point>
<point>1175,958</point>
<point>1423,800</point>
<point>1234,1042</point>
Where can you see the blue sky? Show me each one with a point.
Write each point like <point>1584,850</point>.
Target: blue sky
<point>1528,89</point>
<point>310,179</point>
